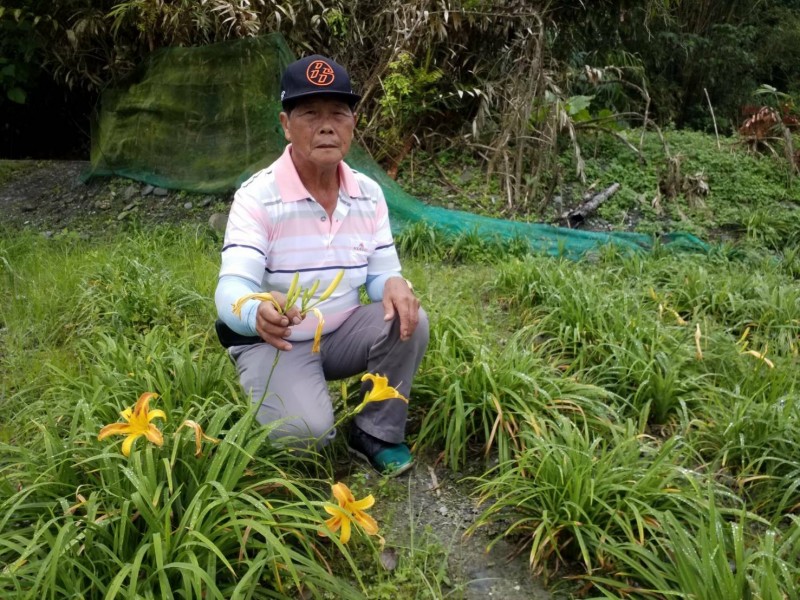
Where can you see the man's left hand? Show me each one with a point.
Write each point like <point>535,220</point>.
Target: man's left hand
<point>400,301</point>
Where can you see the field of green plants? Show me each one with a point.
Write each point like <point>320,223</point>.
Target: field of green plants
<point>639,418</point>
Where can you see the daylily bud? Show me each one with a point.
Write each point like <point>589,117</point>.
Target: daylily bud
<point>334,284</point>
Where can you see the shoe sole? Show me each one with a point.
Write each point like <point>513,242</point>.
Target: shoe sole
<point>393,473</point>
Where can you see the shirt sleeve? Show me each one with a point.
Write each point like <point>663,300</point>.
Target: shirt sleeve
<point>383,263</point>
<point>244,251</point>
<point>229,289</point>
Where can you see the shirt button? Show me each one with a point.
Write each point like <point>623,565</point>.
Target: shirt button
<point>323,218</point>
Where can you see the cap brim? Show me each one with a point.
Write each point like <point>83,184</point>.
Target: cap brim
<point>351,99</point>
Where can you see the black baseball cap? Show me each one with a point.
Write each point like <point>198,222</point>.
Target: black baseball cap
<point>314,75</point>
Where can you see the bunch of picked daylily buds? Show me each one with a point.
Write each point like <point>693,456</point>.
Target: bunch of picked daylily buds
<point>307,303</point>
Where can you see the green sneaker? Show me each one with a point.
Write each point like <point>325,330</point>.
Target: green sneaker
<point>387,459</point>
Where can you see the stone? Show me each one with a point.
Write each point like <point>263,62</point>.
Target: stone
<point>102,205</point>
<point>159,191</point>
<point>206,201</point>
<point>126,212</point>
<point>388,559</point>
<point>129,192</point>
<point>218,222</point>
<point>187,205</point>
<point>129,207</point>
<point>147,190</point>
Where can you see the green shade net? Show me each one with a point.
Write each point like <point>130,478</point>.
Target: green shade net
<point>194,118</point>
<point>205,119</point>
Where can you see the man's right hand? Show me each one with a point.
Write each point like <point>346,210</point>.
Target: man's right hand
<point>273,326</point>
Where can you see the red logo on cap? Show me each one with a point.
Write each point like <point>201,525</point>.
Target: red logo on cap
<point>319,73</point>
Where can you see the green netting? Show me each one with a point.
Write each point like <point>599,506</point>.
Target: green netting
<point>204,119</point>
<point>194,118</point>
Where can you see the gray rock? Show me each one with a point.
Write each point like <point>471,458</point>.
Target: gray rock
<point>187,205</point>
<point>129,207</point>
<point>159,191</point>
<point>206,201</point>
<point>218,222</point>
<point>48,234</point>
<point>129,192</point>
<point>126,212</point>
<point>102,205</point>
<point>388,559</point>
<point>147,190</point>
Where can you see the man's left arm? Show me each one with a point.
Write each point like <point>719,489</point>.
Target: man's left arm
<point>384,281</point>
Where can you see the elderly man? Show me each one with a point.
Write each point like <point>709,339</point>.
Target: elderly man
<point>309,213</point>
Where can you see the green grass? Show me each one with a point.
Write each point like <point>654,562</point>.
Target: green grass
<point>613,410</point>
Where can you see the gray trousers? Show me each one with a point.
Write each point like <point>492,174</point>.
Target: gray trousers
<point>298,397</point>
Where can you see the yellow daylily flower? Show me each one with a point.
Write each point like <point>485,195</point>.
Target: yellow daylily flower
<point>263,296</point>
<point>381,390</point>
<point>318,331</point>
<point>349,510</point>
<point>138,424</point>
<point>199,435</point>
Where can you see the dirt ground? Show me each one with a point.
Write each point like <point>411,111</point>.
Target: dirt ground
<point>435,499</point>
<point>50,198</point>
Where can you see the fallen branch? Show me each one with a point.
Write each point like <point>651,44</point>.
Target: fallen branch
<point>576,216</point>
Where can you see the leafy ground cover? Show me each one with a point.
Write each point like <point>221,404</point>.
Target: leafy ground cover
<point>629,424</point>
<point>679,180</point>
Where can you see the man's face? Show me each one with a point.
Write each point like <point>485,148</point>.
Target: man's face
<point>320,130</point>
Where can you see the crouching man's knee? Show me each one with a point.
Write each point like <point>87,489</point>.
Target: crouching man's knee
<point>313,430</point>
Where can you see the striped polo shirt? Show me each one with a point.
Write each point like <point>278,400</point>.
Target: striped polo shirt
<point>275,229</point>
